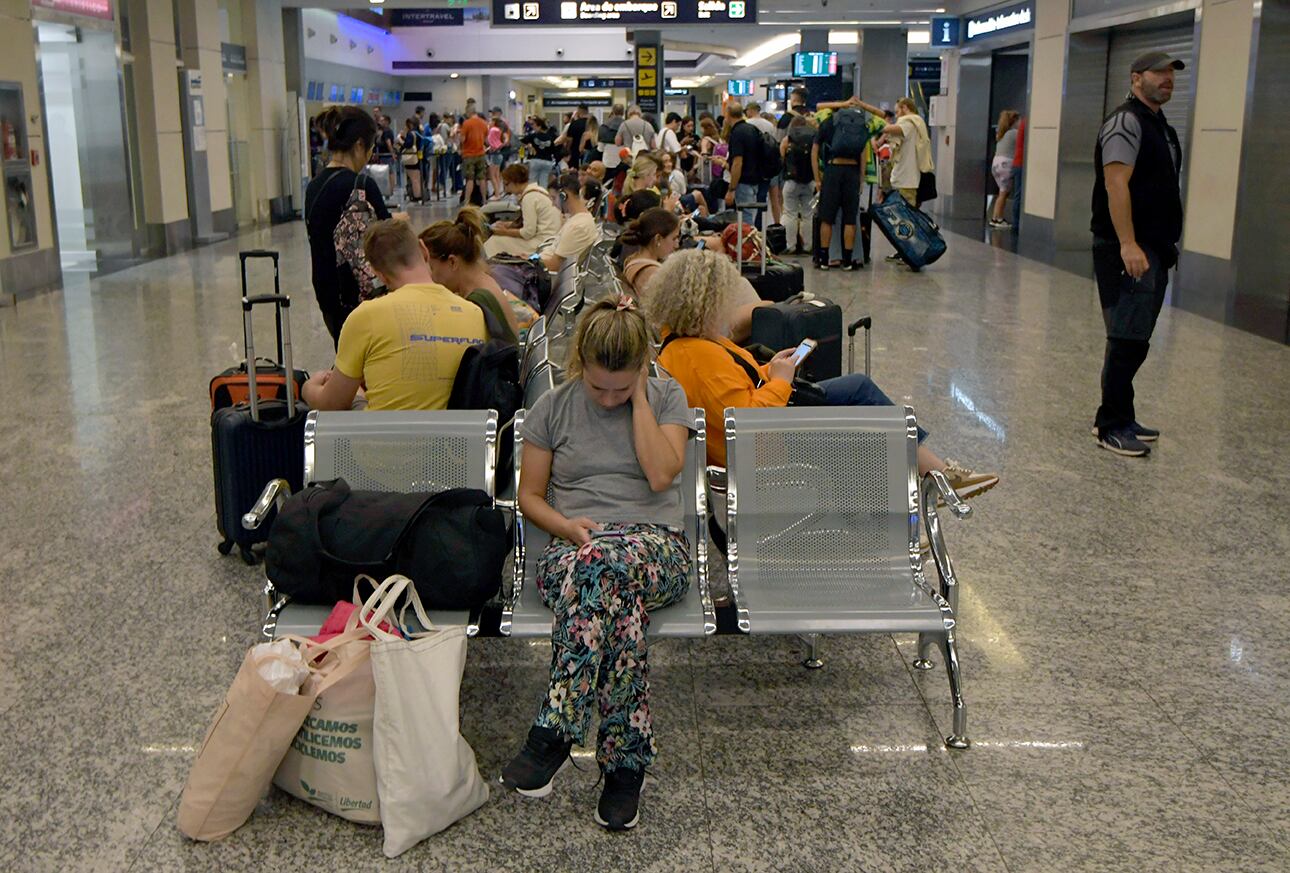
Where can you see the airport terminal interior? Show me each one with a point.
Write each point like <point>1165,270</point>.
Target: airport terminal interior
<point>1119,618</point>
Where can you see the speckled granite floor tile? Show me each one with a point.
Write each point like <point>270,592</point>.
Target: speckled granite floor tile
<point>1102,597</point>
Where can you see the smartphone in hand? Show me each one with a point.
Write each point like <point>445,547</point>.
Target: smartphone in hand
<point>803,351</point>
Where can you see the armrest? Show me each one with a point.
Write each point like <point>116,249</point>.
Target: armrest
<point>933,483</point>
<point>948,494</point>
<point>273,496</point>
<point>717,479</point>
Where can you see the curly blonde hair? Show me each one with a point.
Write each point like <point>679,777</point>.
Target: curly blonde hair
<point>691,293</point>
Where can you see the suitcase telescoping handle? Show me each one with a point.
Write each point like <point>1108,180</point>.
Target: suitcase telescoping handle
<point>279,303</point>
<point>867,324</point>
<point>739,233</point>
<point>247,255</point>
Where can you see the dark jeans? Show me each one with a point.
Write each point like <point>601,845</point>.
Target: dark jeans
<point>857,389</point>
<point>1130,308</point>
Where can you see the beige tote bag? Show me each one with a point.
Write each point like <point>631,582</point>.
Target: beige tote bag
<point>426,772</point>
<point>329,763</point>
<point>251,731</point>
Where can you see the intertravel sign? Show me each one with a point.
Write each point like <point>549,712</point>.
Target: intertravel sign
<point>995,21</point>
<point>426,17</point>
<point>620,12</point>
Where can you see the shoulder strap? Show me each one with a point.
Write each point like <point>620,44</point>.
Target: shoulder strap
<point>326,185</point>
<point>747,367</point>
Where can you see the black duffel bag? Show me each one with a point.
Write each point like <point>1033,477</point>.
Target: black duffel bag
<point>452,544</point>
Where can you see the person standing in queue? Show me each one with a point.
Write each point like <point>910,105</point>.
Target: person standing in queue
<point>1137,222</point>
<point>350,136</point>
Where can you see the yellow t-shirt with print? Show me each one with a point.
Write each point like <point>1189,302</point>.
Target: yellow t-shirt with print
<point>405,346</point>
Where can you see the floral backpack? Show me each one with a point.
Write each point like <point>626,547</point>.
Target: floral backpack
<point>357,216</point>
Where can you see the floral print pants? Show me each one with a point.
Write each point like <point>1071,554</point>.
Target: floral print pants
<point>601,594</point>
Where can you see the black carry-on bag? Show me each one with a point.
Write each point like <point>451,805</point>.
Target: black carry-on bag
<point>255,442</point>
<point>772,279</point>
<point>784,325</point>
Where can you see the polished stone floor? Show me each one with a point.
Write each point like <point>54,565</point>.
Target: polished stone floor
<point>1123,621</point>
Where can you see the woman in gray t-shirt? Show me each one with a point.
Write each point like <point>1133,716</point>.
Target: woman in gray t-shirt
<point>610,444</point>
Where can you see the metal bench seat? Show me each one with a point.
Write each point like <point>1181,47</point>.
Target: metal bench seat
<point>822,512</point>
<point>423,451</point>
<point>525,615</point>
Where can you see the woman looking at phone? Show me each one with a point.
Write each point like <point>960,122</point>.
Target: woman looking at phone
<point>610,443</point>
<point>691,305</point>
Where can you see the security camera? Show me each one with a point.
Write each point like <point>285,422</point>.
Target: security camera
<point>429,53</point>
<point>824,3</point>
<point>559,52</point>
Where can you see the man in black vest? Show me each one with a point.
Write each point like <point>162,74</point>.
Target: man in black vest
<point>1137,222</point>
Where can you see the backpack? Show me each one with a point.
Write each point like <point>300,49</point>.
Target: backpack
<point>488,377</point>
<point>609,131</point>
<point>771,163</point>
<point>797,162</point>
<point>850,134</point>
<point>526,279</point>
<point>357,216</point>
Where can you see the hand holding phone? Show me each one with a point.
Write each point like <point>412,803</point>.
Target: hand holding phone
<point>803,351</point>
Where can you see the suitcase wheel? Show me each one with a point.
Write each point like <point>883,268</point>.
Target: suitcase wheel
<point>249,557</point>
<point>225,547</point>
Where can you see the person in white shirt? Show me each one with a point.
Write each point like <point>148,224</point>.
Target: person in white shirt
<point>539,218</point>
<point>909,133</point>
<point>579,201</point>
<point>636,133</point>
<point>668,143</point>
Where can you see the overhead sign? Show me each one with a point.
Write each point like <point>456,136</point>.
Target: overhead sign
<point>649,77</point>
<point>676,92</point>
<point>593,84</point>
<point>560,102</point>
<point>614,13</point>
<point>946,32</point>
<point>426,17</point>
<point>1009,18</point>
<point>91,8</point>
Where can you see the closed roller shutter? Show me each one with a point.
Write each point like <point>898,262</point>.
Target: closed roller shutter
<point>1128,43</point>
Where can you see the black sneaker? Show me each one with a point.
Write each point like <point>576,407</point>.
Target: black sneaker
<point>1123,442</point>
<point>821,265</point>
<point>895,259</point>
<point>850,265</point>
<point>532,771</point>
<point>620,801</point>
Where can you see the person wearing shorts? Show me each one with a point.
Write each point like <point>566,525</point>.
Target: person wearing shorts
<point>1001,166</point>
<point>474,167</point>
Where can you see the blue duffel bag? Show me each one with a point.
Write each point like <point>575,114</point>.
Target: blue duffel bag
<point>915,236</point>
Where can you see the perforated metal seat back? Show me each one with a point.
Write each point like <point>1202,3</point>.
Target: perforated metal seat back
<point>403,451</point>
<point>535,349</point>
<point>822,504</point>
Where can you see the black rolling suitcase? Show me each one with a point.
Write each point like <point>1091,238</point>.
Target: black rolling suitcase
<point>258,441</point>
<point>786,324</point>
<point>772,279</point>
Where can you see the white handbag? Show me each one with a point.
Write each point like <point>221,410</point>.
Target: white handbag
<point>426,774</point>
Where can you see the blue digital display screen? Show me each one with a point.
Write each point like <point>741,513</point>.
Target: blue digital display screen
<point>815,64</point>
<point>739,87</point>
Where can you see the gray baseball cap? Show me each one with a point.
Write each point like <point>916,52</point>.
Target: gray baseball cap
<point>1156,61</point>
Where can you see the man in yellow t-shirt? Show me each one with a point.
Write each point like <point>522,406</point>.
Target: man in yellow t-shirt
<point>403,347</point>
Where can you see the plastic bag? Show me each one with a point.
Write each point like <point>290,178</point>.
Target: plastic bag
<point>279,663</point>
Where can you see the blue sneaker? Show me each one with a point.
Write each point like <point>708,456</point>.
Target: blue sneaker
<point>1124,442</point>
<point>1144,434</point>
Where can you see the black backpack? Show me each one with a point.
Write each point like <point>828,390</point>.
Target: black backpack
<point>797,162</point>
<point>850,134</point>
<point>771,162</point>
<point>609,131</point>
<point>488,377</point>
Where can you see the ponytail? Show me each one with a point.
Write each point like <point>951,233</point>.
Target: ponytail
<point>613,335</point>
<point>345,127</point>
<point>651,223</point>
<point>463,237</point>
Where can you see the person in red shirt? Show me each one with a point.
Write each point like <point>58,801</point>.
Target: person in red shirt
<point>1016,171</point>
<point>474,166</point>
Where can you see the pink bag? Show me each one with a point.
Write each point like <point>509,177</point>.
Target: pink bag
<point>338,619</point>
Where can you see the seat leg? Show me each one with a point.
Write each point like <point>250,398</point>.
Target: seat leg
<point>959,738</point>
<point>924,659</point>
<point>813,660</point>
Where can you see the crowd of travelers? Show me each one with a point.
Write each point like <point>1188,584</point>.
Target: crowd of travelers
<point>603,450</point>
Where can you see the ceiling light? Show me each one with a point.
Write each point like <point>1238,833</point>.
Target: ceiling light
<point>764,51</point>
<point>843,37</point>
<point>376,2</point>
<point>920,37</point>
<point>454,75</point>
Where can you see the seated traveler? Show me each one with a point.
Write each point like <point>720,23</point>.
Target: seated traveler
<point>454,250</point>
<point>539,219</point>
<point>404,346</point>
<point>654,236</point>
<point>610,442</point>
<point>579,203</point>
<point>690,304</point>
